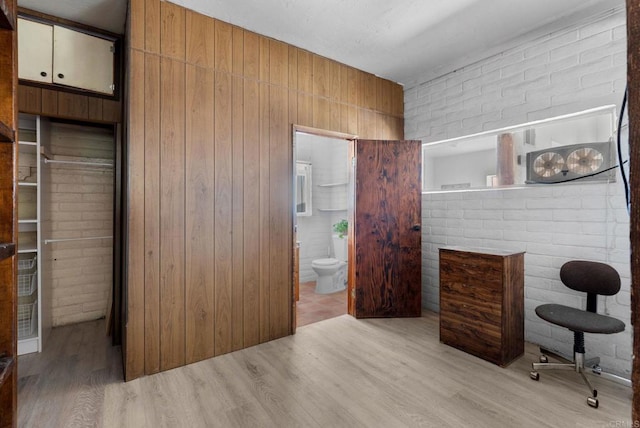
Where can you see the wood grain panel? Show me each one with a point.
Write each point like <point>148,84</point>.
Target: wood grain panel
<point>305,109</point>
<point>172,34</point>
<point>264,59</point>
<point>237,224</point>
<point>334,116</point>
<point>376,229</point>
<point>387,253</point>
<point>397,101</point>
<point>29,99</point>
<point>367,90</point>
<point>95,109</point>
<point>383,96</point>
<point>223,213</point>
<point>322,118</point>
<point>397,128</point>
<point>482,303</point>
<point>293,68</point>
<point>111,111</point>
<point>251,56</point>
<point>152,25</point>
<point>334,81</point>
<point>367,125</point>
<point>73,105</point>
<point>321,76</point>
<point>135,22</point>
<point>135,334</point>
<point>8,214</point>
<point>278,63</point>
<point>265,225</point>
<point>172,193</point>
<point>251,193</point>
<point>49,102</point>
<point>224,46</point>
<point>237,54</point>
<point>152,213</point>
<point>200,40</point>
<point>279,237</point>
<point>305,71</point>
<point>260,87</point>
<point>199,274</point>
<point>349,119</point>
<point>513,308</point>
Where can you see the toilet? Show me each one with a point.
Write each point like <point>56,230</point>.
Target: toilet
<point>332,272</point>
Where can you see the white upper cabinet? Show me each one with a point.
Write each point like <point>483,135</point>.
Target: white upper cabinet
<point>35,61</point>
<point>82,61</point>
<point>54,54</point>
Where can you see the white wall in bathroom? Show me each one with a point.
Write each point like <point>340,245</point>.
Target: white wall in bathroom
<point>329,160</point>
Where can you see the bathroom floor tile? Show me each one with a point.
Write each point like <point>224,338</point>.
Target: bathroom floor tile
<point>314,307</point>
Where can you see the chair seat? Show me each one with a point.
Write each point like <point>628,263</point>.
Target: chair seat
<point>579,320</point>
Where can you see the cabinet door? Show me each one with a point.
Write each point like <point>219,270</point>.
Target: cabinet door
<point>82,61</point>
<point>35,41</point>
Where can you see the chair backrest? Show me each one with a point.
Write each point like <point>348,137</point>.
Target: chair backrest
<point>590,277</point>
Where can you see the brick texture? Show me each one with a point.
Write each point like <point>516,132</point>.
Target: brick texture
<point>80,206</point>
<point>580,67</point>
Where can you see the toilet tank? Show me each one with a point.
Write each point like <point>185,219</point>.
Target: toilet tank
<point>340,248</point>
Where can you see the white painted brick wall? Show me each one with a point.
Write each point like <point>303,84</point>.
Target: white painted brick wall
<point>81,205</point>
<point>580,67</point>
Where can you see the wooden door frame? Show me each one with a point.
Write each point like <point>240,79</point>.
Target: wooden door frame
<point>294,221</point>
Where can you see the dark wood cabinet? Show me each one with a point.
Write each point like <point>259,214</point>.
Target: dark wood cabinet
<point>482,302</point>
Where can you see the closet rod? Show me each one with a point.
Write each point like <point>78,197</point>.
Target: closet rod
<point>79,162</point>
<point>49,241</point>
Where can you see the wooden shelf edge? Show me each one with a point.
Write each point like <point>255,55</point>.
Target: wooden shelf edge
<point>6,367</point>
<point>7,135</point>
<point>7,250</point>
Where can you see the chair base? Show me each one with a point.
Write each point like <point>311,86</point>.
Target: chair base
<point>591,365</point>
<point>578,365</point>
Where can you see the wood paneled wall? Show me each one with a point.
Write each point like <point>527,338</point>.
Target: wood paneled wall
<point>54,103</point>
<point>210,114</point>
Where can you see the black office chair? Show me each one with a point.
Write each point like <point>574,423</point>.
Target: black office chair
<point>592,278</point>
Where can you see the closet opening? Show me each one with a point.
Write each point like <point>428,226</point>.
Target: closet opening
<point>69,278</point>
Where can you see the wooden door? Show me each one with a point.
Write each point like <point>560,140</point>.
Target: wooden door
<point>384,244</point>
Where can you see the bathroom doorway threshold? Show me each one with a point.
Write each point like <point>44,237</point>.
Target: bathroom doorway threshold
<point>313,307</point>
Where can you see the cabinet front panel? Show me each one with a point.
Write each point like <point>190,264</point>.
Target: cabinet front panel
<point>82,61</point>
<point>472,269</point>
<point>35,41</point>
<point>479,310</point>
<point>479,340</point>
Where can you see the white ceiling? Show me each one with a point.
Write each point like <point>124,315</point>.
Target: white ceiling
<point>402,40</point>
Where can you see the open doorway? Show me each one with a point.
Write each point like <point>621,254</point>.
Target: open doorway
<point>321,196</point>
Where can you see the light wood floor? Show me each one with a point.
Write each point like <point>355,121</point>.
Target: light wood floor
<point>64,385</point>
<point>339,372</point>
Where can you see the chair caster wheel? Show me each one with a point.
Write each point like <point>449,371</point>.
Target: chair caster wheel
<point>534,375</point>
<point>544,359</point>
<point>593,402</point>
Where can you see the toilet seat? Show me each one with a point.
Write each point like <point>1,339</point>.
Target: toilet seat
<point>325,262</point>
